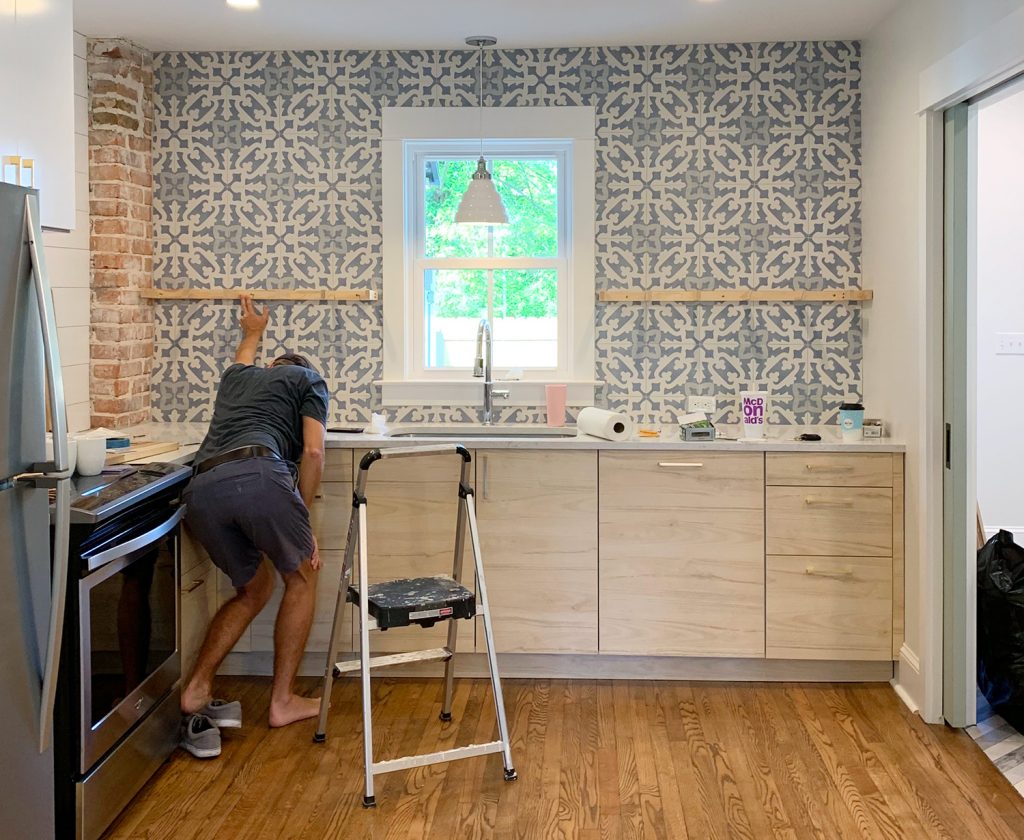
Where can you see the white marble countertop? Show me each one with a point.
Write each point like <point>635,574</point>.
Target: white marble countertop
<point>778,439</point>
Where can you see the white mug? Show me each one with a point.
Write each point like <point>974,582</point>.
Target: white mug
<point>92,455</point>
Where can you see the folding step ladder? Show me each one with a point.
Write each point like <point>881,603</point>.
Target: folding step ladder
<point>399,603</point>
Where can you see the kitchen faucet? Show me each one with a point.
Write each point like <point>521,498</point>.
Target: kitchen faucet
<point>482,369</point>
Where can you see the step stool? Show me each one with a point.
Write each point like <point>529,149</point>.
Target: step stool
<point>399,603</point>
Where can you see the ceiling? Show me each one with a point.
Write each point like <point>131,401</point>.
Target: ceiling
<point>441,24</point>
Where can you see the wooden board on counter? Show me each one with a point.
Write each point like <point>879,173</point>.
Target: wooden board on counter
<point>140,452</point>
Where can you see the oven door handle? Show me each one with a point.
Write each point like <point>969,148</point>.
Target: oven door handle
<point>141,541</point>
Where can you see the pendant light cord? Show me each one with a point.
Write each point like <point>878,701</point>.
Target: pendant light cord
<point>480,95</point>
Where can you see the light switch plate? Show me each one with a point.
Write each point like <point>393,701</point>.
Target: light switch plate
<point>705,404</point>
<point>1010,344</point>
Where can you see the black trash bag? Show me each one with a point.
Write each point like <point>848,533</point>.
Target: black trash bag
<point>1001,626</point>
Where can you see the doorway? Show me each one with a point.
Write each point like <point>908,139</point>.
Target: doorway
<point>983,359</point>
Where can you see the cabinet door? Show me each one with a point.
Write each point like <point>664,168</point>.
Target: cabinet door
<point>537,515</point>
<point>682,553</point>
<point>43,86</point>
<point>198,605</point>
<point>412,504</point>
<point>829,608</point>
<point>10,72</point>
<point>329,518</point>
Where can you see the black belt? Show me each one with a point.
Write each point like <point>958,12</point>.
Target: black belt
<point>234,455</point>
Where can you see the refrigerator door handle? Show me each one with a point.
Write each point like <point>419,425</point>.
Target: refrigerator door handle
<point>48,323</point>
<point>58,596</point>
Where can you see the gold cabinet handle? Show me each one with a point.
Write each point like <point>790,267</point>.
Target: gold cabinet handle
<point>829,468</point>
<point>195,586</point>
<point>681,464</point>
<point>812,501</point>
<point>838,575</point>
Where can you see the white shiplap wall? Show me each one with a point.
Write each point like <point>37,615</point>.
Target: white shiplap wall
<point>67,258</point>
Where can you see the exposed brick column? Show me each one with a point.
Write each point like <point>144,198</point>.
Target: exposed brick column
<point>121,214</point>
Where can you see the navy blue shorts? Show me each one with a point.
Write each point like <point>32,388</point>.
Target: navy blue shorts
<point>242,509</point>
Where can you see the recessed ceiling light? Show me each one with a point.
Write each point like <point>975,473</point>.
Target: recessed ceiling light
<point>244,4</point>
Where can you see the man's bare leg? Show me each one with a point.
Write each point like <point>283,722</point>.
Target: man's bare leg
<point>294,618</point>
<point>223,634</point>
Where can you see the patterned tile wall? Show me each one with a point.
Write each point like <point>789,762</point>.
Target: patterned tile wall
<point>730,165</point>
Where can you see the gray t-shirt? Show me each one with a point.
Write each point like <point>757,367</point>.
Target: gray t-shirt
<point>264,407</point>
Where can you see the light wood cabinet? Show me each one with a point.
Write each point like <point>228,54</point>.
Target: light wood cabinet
<point>681,544</point>
<point>537,515</point>
<point>412,504</point>
<point>829,608</point>
<point>198,599</point>
<point>329,518</point>
<point>834,556</point>
<point>829,521</point>
<point>825,469</point>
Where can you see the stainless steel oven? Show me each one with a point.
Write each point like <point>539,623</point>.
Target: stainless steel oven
<point>128,629</point>
<point>117,714</point>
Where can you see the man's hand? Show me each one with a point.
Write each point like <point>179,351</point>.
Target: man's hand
<point>253,324</point>
<point>314,560</point>
<point>253,321</point>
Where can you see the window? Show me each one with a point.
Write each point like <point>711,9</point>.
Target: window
<point>532,280</point>
<point>515,276</point>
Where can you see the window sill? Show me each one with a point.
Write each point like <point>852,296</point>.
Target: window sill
<point>471,392</point>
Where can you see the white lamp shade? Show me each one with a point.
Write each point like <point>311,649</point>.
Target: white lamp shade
<point>481,204</point>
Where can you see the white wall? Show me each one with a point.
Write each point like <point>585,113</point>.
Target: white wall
<point>1000,289</point>
<point>67,258</point>
<point>917,34</point>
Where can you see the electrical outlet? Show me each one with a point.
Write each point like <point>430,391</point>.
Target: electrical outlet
<point>1010,344</point>
<point>705,404</point>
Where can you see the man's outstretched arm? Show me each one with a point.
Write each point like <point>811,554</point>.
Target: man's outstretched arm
<point>253,324</point>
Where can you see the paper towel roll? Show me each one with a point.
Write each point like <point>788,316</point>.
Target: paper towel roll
<point>610,425</point>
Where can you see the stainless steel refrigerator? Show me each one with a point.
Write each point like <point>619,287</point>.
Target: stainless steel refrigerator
<point>33,557</point>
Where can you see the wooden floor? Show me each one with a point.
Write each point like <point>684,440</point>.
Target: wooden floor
<point>595,760</point>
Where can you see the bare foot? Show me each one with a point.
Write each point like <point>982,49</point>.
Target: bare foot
<point>194,698</point>
<point>294,709</point>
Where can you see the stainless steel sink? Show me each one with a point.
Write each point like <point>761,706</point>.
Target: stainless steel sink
<point>476,430</point>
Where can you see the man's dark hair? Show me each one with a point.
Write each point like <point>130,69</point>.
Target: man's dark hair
<point>293,359</point>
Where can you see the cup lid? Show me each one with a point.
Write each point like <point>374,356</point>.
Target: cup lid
<point>851,406</point>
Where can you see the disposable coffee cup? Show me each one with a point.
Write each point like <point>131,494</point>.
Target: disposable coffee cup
<point>851,421</point>
<point>754,410</point>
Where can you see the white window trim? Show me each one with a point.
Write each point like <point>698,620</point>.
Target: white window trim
<point>404,385</point>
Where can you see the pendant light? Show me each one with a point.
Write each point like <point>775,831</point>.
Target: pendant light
<point>481,204</point>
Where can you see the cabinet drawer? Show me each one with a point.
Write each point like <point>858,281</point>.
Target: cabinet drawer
<point>840,521</point>
<point>688,480</point>
<point>828,608</point>
<point>337,465</point>
<point>198,605</point>
<point>829,469</point>
<point>329,516</point>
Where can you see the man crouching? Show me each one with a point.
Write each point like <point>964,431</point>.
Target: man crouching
<point>255,478</point>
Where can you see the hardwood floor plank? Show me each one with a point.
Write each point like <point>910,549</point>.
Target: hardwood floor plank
<point>597,760</point>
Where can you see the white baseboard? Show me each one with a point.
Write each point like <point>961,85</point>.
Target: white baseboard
<point>991,531</point>
<point>907,681</point>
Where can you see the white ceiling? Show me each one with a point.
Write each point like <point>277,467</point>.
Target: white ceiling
<point>441,24</point>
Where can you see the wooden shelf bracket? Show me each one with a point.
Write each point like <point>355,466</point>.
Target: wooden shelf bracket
<point>734,295</point>
<point>262,294</point>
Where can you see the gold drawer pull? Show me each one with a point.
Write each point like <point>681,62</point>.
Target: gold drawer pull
<point>812,501</point>
<point>690,464</point>
<point>829,468</point>
<point>195,586</point>
<point>841,575</point>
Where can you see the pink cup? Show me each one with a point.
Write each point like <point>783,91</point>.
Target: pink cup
<point>556,404</point>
